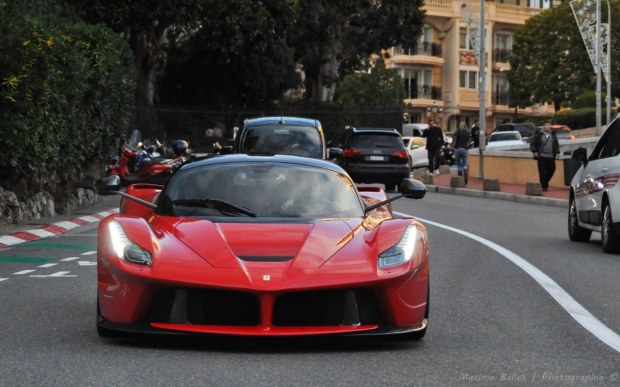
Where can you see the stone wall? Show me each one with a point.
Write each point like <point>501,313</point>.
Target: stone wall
<point>58,194</point>
<point>16,210</point>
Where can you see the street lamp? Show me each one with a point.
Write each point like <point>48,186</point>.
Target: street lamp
<point>434,110</point>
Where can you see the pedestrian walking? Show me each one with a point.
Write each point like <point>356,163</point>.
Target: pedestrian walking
<point>434,142</point>
<point>475,134</point>
<point>545,148</point>
<point>461,153</point>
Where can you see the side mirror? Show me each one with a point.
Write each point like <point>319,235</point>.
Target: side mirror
<point>409,188</point>
<point>334,153</point>
<point>580,154</point>
<point>412,188</point>
<point>108,185</point>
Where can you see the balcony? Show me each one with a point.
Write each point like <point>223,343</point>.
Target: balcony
<point>425,53</point>
<point>426,48</point>
<point>425,92</point>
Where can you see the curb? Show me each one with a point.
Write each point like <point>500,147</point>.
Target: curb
<point>539,200</point>
<point>51,229</point>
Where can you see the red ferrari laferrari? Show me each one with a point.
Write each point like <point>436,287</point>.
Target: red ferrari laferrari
<point>261,246</point>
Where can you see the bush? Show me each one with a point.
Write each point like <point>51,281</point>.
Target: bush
<point>66,93</point>
<point>578,118</point>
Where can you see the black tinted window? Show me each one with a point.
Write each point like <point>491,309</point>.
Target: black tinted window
<point>282,139</point>
<point>611,141</point>
<point>378,140</point>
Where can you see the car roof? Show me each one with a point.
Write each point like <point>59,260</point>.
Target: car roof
<point>375,130</point>
<point>516,133</point>
<point>241,157</point>
<point>296,121</point>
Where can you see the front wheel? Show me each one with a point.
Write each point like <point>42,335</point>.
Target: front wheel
<point>576,233</point>
<point>609,235</point>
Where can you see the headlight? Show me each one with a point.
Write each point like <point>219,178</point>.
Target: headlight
<point>400,253</point>
<point>126,249</point>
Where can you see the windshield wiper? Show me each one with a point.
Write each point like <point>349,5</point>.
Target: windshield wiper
<point>222,206</point>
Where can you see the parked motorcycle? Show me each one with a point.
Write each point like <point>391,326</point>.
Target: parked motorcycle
<point>142,163</point>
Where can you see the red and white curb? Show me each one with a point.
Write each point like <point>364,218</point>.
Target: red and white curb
<point>52,229</point>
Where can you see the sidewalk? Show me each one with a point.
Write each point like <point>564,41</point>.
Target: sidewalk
<point>557,197</point>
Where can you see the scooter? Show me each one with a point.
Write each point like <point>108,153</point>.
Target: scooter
<point>446,156</point>
<point>145,165</point>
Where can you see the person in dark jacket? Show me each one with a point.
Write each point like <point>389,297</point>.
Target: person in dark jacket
<point>434,142</point>
<point>545,147</point>
<point>461,154</point>
<point>475,134</point>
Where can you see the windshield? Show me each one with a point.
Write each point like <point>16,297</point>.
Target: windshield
<point>261,189</point>
<point>282,139</point>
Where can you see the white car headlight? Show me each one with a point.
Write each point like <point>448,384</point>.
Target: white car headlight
<point>126,249</point>
<point>400,253</point>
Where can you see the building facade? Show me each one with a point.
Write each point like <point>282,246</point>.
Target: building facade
<point>441,72</point>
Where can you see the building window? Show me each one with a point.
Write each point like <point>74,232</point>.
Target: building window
<point>464,42</point>
<point>468,79</point>
<point>418,83</point>
<point>543,3</point>
<point>502,47</point>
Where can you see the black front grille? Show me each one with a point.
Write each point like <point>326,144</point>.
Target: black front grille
<point>339,307</point>
<point>204,307</point>
<point>326,308</point>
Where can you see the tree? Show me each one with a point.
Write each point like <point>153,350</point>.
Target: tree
<point>380,88</point>
<point>333,33</point>
<point>239,57</point>
<point>374,98</point>
<point>152,27</point>
<point>557,72</point>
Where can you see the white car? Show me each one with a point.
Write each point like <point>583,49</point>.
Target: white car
<point>594,199</point>
<point>505,139</point>
<point>416,147</point>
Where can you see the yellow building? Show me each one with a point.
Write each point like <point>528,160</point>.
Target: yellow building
<point>441,73</point>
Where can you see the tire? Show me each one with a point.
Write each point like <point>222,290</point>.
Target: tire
<point>609,236</point>
<point>576,233</point>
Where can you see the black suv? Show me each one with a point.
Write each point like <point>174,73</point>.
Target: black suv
<point>282,135</point>
<point>374,155</point>
<point>526,129</point>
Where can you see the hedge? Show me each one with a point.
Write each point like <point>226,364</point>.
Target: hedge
<point>66,93</point>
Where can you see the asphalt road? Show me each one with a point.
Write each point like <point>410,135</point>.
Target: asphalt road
<point>491,323</point>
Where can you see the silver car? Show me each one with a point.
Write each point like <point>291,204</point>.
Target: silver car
<point>594,201</point>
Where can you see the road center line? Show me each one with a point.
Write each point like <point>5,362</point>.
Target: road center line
<point>566,301</point>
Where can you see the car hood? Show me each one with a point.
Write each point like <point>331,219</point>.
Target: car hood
<point>308,245</point>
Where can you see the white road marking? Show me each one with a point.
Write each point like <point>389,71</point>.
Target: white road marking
<point>57,274</point>
<point>86,263</point>
<point>48,265</point>
<point>70,259</point>
<point>23,272</point>
<point>89,253</point>
<point>10,240</point>
<point>67,225</point>
<point>89,219</point>
<point>3,279</point>
<point>41,233</point>
<point>566,301</point>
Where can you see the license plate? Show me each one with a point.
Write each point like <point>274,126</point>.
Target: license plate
<point>376,158</point>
